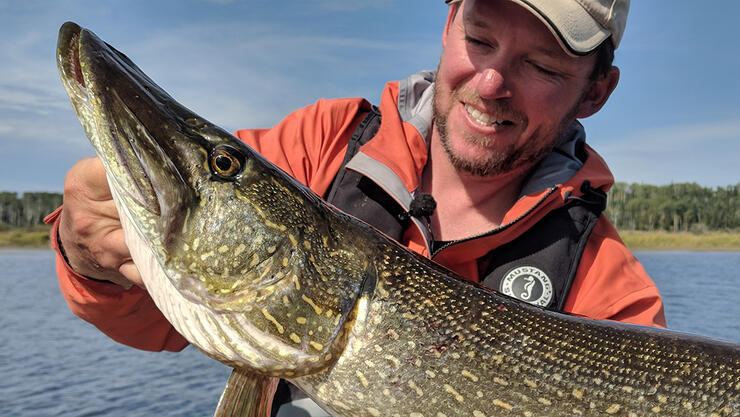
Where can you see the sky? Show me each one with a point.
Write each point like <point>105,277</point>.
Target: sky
<point>675,116</point>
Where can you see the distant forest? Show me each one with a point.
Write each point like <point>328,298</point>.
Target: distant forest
<point>27,210</point>
<point>686,207</point>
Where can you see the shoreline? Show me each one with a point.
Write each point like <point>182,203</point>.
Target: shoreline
<point>25,238</point>
<point>681,241</point>
<point>38,238</point>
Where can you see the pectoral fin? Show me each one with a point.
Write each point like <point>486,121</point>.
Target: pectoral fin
<point>247,395</point>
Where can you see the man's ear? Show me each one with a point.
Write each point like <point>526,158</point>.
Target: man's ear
<point>448,25</point>
<point>599,93</point>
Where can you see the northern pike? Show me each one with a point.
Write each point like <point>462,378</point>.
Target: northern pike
<point>259,273</point>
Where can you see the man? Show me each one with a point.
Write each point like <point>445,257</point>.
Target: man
<point>492,137</point>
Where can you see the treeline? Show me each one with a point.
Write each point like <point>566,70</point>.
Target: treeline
<point>686,207</point>
<point>27,210</point>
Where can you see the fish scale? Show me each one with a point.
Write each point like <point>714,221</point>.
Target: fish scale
<point>524,361</point>
<point>259,273</point>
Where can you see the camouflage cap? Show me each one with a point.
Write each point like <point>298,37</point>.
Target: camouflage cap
<point>580,25</point>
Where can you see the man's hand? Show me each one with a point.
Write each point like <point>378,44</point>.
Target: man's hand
<point>89,229</point>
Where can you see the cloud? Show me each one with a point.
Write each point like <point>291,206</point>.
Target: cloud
<point>675,138</point>
<point>253,75</point>
<point>31,100</point>
<point>706,153</point>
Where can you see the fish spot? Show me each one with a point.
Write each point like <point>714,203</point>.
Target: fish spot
<point>373,412</point>
<point>223,249</point>
<point>416,388</point>
<point>449,389</point>
<point>470,376</point>
<point>338,386</point>
<point>578,393</point>
<point>478,413</point>
<point>362,379</point>
<point>500,381</point>
<point>394,360</point>
<point>294,337</point>
<point>613,409</point>
<point>502,404</point>
<point>530,383</point>
<point>310,302</point>
<point>272,319</point>
<point>544,401</point>
<point>301,320</point>
<point>239,249</point>
<point>316,345</point>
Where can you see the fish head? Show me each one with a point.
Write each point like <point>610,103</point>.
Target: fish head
<point>226,242</point>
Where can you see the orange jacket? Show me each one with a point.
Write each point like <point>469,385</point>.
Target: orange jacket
<point>310,144</point>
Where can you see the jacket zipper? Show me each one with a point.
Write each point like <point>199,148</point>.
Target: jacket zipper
<point>500,228</point>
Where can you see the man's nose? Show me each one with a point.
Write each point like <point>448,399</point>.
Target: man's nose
<point>491,85</point>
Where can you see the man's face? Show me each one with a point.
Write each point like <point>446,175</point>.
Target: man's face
<point>505,90</point>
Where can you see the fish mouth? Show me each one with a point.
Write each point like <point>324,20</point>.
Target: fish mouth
<point>87,65</point>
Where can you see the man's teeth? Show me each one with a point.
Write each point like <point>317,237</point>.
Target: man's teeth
<point>482,118</point>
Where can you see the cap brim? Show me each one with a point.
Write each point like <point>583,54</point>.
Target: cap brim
<point>574,28</point>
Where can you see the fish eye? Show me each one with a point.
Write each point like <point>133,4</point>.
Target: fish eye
<point>226,162</point>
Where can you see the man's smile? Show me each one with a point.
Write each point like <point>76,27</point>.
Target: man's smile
<point>484,119</point>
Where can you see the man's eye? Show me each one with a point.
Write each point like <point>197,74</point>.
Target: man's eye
<point>475,42</point>
<point>543,70</point>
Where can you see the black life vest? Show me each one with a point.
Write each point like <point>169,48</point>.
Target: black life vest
<point>537,267</point>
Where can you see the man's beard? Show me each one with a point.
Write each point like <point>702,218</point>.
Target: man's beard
<point>508,159</point>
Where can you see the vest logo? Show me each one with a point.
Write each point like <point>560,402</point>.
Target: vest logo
<point>529,284</point>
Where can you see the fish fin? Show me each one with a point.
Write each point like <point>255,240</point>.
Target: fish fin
<point>247,395</point>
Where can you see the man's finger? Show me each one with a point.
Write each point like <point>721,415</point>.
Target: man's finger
<point>88,176</point>
<point>131,273</point>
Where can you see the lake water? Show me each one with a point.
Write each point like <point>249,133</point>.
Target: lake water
<point>54,364</point>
